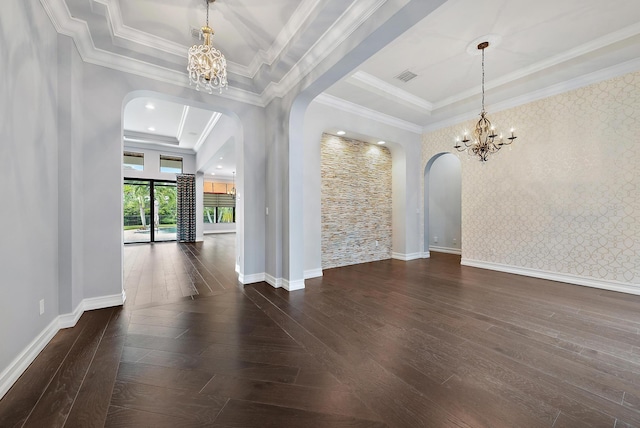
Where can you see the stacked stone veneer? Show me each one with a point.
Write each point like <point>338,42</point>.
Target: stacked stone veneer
<point>356,202</point>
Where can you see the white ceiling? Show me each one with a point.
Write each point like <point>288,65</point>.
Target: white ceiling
<point>167,125</point>
<point>538,48</point>
<point>538,44</point>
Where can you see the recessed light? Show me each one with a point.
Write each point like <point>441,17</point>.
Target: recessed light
<point>151,128</point>
<point>221,158</point>
<point>219,167</point>
<point>213,173</point>
<point>150,106</point>
<point>341,132</point>
<point>381,142</point>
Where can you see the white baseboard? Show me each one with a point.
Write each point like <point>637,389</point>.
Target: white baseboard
<point>555,276</point>
<point>426,254</point>
<point>70,320</point>
<point>446,250</point>
<point>273,281</point>
<point>26,357</point>
<point>211,232</point>
<point>312,273</point>
<point>293,285</point>
<point>251,279</point>
<point>406,257</point>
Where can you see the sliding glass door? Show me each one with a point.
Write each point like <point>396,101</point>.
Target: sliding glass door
<point>145,221</point>
<point>165,210</point>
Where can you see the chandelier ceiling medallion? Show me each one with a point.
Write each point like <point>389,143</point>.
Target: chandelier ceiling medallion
<point>485,140</point>
<point>207,66</point>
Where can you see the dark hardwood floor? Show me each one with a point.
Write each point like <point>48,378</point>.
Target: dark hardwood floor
<point>425,343</point>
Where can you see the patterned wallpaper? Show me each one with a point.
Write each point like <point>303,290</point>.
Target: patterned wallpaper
<point>565,197</point>
<point>356,201</point>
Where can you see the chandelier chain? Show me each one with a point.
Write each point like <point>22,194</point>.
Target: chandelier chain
<point>207,2</point>
<point>483,80</point>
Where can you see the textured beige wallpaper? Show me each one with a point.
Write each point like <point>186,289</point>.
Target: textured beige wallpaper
<point>356,202</point>
<point>565,197</point>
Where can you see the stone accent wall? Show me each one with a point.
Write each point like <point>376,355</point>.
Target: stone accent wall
<point>356,202</point>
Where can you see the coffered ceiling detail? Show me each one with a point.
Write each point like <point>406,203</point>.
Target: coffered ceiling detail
<point>537,49</point>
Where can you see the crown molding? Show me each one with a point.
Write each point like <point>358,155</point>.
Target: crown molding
<point>373,84</point>
<point>183,120</point>
<point>150,144</point>
<point>342,28</point>
<point>557,89</point>
<point>133,36</point>
<point>293,26</point>
<point>349,107</point>
<point>169,140</point>
<point>64,24</point>
<point>609,39</point>
<point>215,117</point>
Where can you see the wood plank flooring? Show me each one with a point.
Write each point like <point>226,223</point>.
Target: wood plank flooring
<point>425,343</point>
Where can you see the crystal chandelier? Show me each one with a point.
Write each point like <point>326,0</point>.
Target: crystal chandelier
<point>486,140</point>
<point>207,66</point>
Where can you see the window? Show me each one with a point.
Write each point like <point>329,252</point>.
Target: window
<point>219,208</point>
<point>170,164</point>
<point>133,161</point>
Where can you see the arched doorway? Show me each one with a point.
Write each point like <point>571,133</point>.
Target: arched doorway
<point>443,204</point>
<point>205,155</point>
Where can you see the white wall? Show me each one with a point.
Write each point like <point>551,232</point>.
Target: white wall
<point>444,179</point>
<point>151,171</point>
<point>29,194</point>
<point>152,164</point>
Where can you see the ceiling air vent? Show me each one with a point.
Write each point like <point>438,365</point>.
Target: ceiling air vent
<point>405,76</point>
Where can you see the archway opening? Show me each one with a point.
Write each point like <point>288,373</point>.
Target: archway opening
<point>443,204</point>
<point>220,128</point>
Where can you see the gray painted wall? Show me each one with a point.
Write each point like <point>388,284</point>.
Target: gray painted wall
<point>445,179</point>
<point>29,194</point>
<point>103,149</point>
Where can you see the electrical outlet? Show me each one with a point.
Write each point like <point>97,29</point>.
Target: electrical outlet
<point>435,239</point>
<point>41,306</point>
<point>267,210</point>
<point>455,241</point>
<point>376,243</point>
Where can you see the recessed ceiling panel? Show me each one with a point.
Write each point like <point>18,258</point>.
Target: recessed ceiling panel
<point>531,33</point>
<point>242,27</point>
